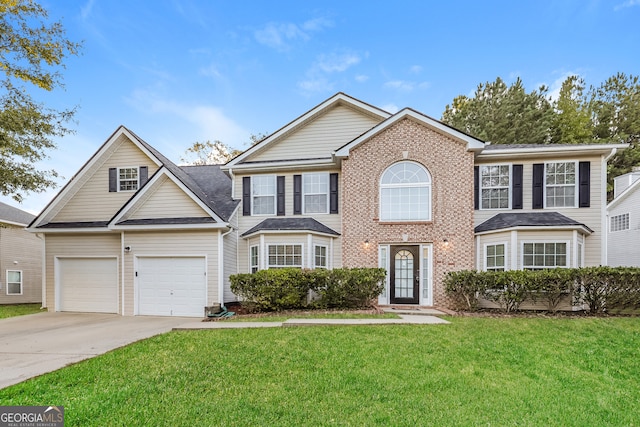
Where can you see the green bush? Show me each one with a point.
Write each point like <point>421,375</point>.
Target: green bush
<point>600,289</point>
<point>291,288</point>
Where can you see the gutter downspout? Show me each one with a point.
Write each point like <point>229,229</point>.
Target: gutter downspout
<point>43,279</point>
<point>221,264</point>
<point>122,269</point>
<point>603,214</point>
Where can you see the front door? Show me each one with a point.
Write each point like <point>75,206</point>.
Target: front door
<point>405,274</point>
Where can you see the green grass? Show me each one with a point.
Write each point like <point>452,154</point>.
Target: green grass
<point>19,310</point>
<point>475,371</point>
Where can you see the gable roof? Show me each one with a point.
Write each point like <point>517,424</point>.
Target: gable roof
<point>510,220</point>
<point>473,144</point>
<point>14,216</point>
<point>626,193</point>
<point>214,195</point>
<point>290,224</point>
<point>339,98</point>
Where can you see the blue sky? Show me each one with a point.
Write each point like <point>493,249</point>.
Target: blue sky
<point>180,71</point>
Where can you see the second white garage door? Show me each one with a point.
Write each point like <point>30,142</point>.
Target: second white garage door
<point>171,286</point>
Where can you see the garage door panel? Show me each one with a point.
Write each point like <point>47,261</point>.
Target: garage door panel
<point>88,285</point>
<point>171,286</point>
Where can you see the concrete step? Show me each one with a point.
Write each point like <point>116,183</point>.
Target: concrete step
<point>414,310</point>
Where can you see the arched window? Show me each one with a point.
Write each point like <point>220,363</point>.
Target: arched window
<point>405,193</point>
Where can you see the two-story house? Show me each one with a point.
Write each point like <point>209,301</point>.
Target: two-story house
<point>344,185</point>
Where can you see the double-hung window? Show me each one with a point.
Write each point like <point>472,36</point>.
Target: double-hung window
<point>128,179</point>
<point>263,194</point>
<point>315,189</point>
<point>405,193</point>
<point>320,256</point>
<point>538,256</point>
<point>14,282</point>
<point>254,260</point>
<point>494,182</point>
<point>281,256</point>
<point>560,184</point>
<point>495,257</point>
<point>619,222</point>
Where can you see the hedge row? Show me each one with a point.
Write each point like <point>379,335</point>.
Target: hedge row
<point>293,288</point>
<point>600,289</point>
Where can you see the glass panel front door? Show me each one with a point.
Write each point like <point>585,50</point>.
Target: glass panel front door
<point>405,275</point>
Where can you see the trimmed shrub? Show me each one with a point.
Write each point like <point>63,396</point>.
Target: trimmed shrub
<point>290,288</point>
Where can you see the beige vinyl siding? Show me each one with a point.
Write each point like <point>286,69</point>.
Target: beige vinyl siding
<point>18,245</point>
<point>623,246</point>
<point>230,258</point>
<point>166,200</point>
<point>591,217</point>
<point>319,138</point>
<point>494,239</point>
<point>90,199</point>
<point>171,243</point>
<point>85,245</point>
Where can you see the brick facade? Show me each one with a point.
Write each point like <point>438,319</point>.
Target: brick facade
<point>451,169</point>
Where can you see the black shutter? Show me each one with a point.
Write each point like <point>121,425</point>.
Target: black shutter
<point>538,186</point>
<point>584,180</point>
<point>144,175</point>
<point>516,185</point>
<point>333,193</point>
<point>297,194</point>
<point>476,187</point>
<point>246,195</point>
<point>113,180</point>
<point>280,194</point>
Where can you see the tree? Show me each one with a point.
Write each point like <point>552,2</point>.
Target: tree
<point>503,114</point>
<point>216,152</point>
<point>615,105</point>
<point>572,119</point>
<point>32,51</point>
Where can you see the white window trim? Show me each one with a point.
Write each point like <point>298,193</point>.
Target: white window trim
<point>618,216</point>
<point>428,185</point>
<point>137,168</point>
<point>326,256</point>
<point>568,253</point>
<point>285,266</point>
<point>575,185</point>
<point>275,195</point>
<point>21,282</point>
<point>304,207</point>
<point>251,265</point>
<point>506,254</point>
<point>509,187</point>
<point>383,262</point>
<point>426,282</point>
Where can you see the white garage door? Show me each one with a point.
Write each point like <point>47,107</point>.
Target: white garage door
<point>171,286</point>
<point>88,285</point>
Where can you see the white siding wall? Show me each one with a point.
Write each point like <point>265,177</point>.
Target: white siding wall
<point>230,258</point>
<point>592,216</point>
<point>173,243</point>
<point>624,246</point>
<point>318,139</point>
<point>18,245</point>
<point>91,199</point>
<point>85,245</point>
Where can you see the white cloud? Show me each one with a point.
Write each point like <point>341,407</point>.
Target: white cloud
<point>628,3</point>
<point>317,76</point>
<point>85,11</point>
<point>416,69</point>
<point>280,35</point>
<point>334,62</point>
<point>210,71</point>
<point>391,108</point>
<point>316,85</point>
<point>556,85</point>
<point>406,86</point>
<point>361,78</point>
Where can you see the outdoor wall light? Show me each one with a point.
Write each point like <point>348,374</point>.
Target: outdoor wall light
<point>446,243</point>
<point>366,243</point>
<point>127,248</point>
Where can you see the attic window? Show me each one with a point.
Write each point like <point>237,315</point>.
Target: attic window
<point>128,179</point>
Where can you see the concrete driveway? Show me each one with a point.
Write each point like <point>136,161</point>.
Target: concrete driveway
<point>39,343</point>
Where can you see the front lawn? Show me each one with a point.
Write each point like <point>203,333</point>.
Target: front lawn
<point>19,310</point>
<point>475,371</point>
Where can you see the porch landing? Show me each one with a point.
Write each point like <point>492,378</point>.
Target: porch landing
<point>414,310</point>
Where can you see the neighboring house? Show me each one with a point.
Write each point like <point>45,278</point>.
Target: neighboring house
<point>20,258</point>
<point>344,185</point>
<point>623,214</point>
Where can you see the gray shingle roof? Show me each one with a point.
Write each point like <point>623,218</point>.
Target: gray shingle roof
<point>291,224</point>
<point>168,221</point>
<point>527,219</point>
<point>75,224</point>
<point>11,214</point>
